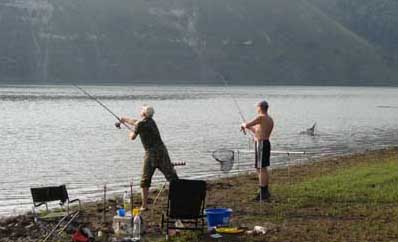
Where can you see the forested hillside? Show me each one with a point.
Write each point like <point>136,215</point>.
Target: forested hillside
<point>194,41</point>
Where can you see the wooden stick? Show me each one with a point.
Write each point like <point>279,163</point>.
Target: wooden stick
<point>104,212</point>
<point>131,197</point>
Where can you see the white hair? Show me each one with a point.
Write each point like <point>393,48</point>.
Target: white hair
<point>148,111</point>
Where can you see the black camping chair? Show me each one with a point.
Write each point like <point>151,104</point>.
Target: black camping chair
<point>185,203</point>
<point>43,196</point>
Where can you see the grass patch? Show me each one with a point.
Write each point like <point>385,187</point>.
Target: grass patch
<point>352,199</point>
<point>363,184</point>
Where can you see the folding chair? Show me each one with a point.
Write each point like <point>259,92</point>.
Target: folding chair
<point>43,196</point>
<point>185,203</point>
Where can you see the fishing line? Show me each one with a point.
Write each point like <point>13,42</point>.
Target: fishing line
<point>105,187</point>
<point>232,96</point>
<point>102,105</point>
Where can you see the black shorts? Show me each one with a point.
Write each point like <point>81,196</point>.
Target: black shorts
<point>263,153</point>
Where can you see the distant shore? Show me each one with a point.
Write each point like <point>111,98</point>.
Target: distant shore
<point>212,83</point>
<point>344,198</point>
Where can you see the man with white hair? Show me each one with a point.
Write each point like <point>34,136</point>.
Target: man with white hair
<point>156,154</point>
<point>261,127</point>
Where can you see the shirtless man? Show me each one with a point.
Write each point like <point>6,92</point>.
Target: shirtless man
<point>261,127</point>
<point>156,154</point>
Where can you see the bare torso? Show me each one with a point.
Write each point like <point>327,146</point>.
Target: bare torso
<point>263,129</point>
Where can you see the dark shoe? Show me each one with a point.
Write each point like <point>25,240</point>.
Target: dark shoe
<point>265,197</point>
<point>256,198</point>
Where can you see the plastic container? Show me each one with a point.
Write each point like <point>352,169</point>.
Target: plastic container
<point>136,225</point>
<point>126,201</point>
<point>121,212</point>
<point>218,216</point>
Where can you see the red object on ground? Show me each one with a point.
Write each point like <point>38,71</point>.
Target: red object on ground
<point>79,237</point>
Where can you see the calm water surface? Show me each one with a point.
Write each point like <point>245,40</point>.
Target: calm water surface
<point>53,135</point>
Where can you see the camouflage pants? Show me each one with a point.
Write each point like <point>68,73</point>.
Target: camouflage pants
<point>157,159</point>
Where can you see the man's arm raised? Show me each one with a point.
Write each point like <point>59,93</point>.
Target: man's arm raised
<point>250,124</point>
<point>132,135</point>
<point>130,121</point>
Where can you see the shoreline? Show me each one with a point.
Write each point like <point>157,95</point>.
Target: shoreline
<point>205,83</point>
<point>236,192</point>
<point>209,178</point>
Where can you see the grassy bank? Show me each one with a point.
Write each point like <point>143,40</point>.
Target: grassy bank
<point>353,198</point>
<point>350,198</point>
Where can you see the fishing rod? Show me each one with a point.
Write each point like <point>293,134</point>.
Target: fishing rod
<point>233,98</point>
<point>275,152</point>
<point>237,106</point>
<point>104,106</point>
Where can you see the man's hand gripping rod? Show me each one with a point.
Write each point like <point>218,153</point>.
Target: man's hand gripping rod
<point>117,125</point>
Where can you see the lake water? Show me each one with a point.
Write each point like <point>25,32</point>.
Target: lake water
<point>52,135</point>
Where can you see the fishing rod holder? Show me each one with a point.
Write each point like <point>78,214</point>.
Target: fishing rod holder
<point>180,163</point>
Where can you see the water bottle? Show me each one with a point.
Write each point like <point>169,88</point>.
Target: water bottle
<point>126,201</point>
<point>136,225</point>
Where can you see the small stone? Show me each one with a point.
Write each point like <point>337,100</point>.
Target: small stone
<point>29,226</point>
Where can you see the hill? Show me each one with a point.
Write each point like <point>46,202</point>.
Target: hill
<point>187,41</point>
<point>375,21</point>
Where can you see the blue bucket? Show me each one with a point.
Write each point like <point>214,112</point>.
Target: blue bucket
<point>218,216</point>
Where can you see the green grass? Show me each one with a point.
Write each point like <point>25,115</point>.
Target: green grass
<point>364,184</point>
<point>356,202</point>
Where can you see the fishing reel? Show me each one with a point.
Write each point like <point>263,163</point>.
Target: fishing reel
<point>118,125</point>
<point>243,130</point>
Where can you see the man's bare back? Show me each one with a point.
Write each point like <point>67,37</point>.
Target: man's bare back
<point>263,129</point>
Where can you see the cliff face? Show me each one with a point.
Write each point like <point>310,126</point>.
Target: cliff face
<point>190,41</point>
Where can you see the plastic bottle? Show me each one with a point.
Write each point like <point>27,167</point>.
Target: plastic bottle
<point>136,225</point>
<point>126,201</point>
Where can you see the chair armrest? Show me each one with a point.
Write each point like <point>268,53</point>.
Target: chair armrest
<point>35,205</point>
<point>74,200</point>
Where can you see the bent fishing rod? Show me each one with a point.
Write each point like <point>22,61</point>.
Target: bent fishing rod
<point>234,100</point>
<point>103,106</point>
